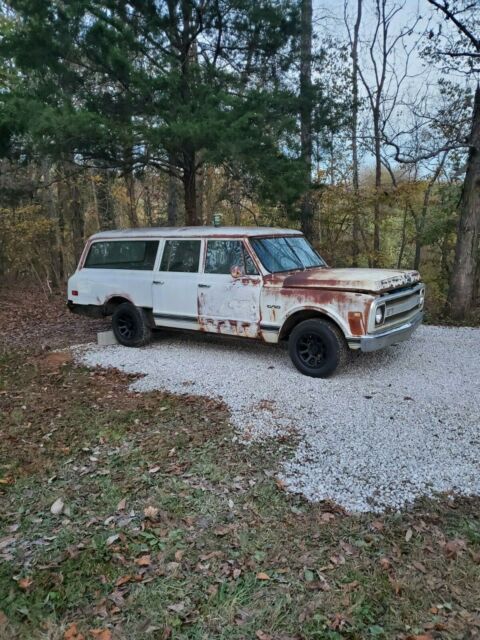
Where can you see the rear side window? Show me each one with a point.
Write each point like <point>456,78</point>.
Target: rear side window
<point>123,254</point>
<point>181,256</point>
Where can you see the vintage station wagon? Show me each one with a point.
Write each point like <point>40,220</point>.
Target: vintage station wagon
<point>251,282</point>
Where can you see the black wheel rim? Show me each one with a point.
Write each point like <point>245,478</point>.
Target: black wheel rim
<point>126,326</point>
<point>311,350</point>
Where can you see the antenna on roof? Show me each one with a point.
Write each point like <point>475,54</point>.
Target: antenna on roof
<point>217,219</point>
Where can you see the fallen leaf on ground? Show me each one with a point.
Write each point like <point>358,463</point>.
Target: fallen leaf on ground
<point>262,576</point>
<point>261,635</point>
<point>222,531</point>
<point>123,580</point>
<point>72,633</point>
<point>454,547</point>
<point>150,512</point>
<point>25,583</point>
<point>57,507</point>
<point>153,470</point>
<point>421,567</point>
<point>121,506</point>
<point>180,606</point>
<point>408,535</point>
<point>144,561</point>
<point>112,539</point>
<point>101,634</point>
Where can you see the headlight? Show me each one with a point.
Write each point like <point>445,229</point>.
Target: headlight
<point>380,314</point>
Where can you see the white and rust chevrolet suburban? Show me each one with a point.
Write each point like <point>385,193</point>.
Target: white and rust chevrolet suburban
<point>252,282</point>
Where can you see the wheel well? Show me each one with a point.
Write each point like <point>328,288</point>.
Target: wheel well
<point>300,316</point>
<point>113,303</point>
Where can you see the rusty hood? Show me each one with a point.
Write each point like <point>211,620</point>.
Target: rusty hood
<point>370,280</point>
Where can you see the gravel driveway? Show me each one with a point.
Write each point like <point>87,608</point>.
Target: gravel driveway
<point>396,424</point>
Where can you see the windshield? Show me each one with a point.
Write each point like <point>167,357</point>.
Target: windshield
<point>286,253</point>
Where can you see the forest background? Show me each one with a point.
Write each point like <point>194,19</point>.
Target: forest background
<point>357,122</point>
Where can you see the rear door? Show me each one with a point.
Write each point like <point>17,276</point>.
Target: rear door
<point>227,303</point>
<point>175,284</point>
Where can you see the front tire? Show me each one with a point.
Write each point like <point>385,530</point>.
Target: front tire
<point>131,326</point>
<point>317,348</point>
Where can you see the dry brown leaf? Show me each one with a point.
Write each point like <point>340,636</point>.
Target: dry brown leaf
<point>154,470</point>
<point>72,633</point>
<point>179,555</point>
<point>421,567</point>
<point>121,506</point>
<point>454,547</point>
<point>178,607</point>
<point>378,525</point>
<point>101,634</point>
<point>123,580</point>
<point>150,512</point>
<point>385,564</point>
<point>261,635</point>
<point>262,576</point>
<point>144,561</point>
<point>25,583</point>
<point>222,531</point>
<point>408,535</point>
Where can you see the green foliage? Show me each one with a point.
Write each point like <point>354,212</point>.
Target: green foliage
<point>167,85</point>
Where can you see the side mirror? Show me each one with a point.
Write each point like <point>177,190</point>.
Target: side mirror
<point>236,272</point>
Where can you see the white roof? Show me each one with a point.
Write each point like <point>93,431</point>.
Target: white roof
<point>195,232</point>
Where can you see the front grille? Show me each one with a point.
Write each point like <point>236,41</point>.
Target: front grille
<point>401,306</point>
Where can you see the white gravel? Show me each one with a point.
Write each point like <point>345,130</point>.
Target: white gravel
<point>395,425</point>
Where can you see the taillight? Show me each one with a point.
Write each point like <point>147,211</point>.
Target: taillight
<point>74,292</point>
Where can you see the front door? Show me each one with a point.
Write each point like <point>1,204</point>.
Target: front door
<point>175,285</point>
<point>229,304</point>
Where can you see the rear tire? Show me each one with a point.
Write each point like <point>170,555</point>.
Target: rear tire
<point>317,348</point>
<point>131,326</point>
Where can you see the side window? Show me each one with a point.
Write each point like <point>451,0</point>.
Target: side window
<point>181,256</point>
<point>137,255</point>
<point>250,268</point>
<point>222,255</point>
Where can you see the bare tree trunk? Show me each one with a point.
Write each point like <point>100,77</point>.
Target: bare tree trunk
<point>306,215</point>
<point>462,284</point>
<point>172,205</point>
<point>404,239</point>
<point>131,198</point>
<point>200,181</point>
<point>76,217</point>
<point>190,188</point>
<point>147,202</point>
<point>355,107</point>
<point>104,202</point>
<point>237,203</point>
<point>378,187</point>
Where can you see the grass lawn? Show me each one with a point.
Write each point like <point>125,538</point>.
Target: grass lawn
<point>168,528</point>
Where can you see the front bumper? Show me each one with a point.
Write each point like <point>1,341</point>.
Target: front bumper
<point>373,342</point>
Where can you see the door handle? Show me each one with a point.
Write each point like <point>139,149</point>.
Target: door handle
<point>204,286</point>
<point>158,282</point>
